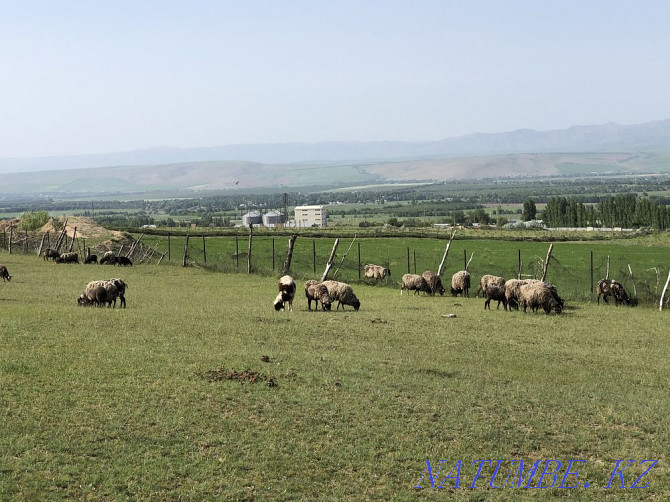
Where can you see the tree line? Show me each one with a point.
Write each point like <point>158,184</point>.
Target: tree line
<point>624,210</point>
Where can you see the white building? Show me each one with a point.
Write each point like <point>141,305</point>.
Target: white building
<point>310,216</point>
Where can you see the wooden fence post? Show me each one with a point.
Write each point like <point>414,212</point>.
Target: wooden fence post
<point>415,261</point>
<point>444,256</point>
<point>408,269</point>
<point>592,275</point>
<point>289,254</point>
<point>39,251</point>
<point>665,288</point>
<point>329,264</point>
<point>185,262</point>
<point>169,251</point>
<point>237,252</point>
<point>273,254</point>
<point>11,233</point>
<point>314,255</point>
<point>546,262</point>
<point>251,234</point>
<point>359,261</point>
<point>204,249</point>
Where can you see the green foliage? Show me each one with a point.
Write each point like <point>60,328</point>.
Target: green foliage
<point>529,210</point>
<point>33,220</point>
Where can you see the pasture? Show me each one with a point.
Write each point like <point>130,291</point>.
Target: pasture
<point>199,390</point>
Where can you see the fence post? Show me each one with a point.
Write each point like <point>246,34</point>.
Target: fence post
<point>10,239</point>
<point>204,249</point>
<point>408,269</point>
<point>237,252</point>
<point>359,261</point>
<point>414,261</point>
<point>273,254</point>
<point>186,252</point>
<point>465,260</point>
<point>251,234</point>
<point>169,249</point>
<point>591,275</point>
<point>518,274</point>
<point>314,255</point>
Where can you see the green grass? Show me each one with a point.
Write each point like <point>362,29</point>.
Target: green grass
<point>110,404</point>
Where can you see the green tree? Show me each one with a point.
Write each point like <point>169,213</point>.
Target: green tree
<point>529,210</point>
<point>32,220</point>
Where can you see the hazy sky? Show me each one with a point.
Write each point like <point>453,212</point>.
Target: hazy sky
<point>94,77</point>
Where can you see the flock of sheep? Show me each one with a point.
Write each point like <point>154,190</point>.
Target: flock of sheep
<point>326,293</point>
<point>512,293</point>
<point>108,258</point>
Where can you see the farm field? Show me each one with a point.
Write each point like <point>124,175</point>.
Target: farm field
<point>199,390</point>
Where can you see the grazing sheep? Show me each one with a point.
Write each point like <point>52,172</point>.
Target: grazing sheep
<point>495,292</point>
<point>92,258</point>
<point>4,274</point>
<point>68,258</point>
<point>108,257</point>
<point>50,254</point>
<point>538,294</point>
<point>286,293</point>
<point>121,287</point>
<point>609,287</point>
<point>343,293</point>
<point>376,272</point>
<point>489,280</point>
<point>434,282</point>
<point>414,282</point>
<point>100,293</point>
<point>460,283</point>
<point>123,261</point>
<point>314,290</point>
<point>512,287</point>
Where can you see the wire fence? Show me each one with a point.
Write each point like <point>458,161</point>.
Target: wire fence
<point>574,268</point>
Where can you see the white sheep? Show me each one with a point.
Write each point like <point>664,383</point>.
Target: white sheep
<point>488,280</point>
<point>376,272</point>
<point>343,293</point>
<point>460,283</point>
<point>414,282</point>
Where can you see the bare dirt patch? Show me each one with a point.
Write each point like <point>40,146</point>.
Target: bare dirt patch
<point>243,376</point>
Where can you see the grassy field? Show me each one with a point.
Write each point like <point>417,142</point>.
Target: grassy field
<point>153,402</point>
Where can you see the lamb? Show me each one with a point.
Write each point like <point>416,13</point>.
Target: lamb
<point>92,258</point>
<point>434,282</point>
<point>460,283</point>
<point>68,258</point>
<point>5,274</point>
<point>318,292</point>
<point>376,272</point>
<point>100,292</point>
<point>121,287</point>
<point>343,293</point>
<point>609,287</point>
<point>538,294</point>
<point>50,254</point>
<point>489,280</point>
<point>414,282</point>
<point>286,293</point>
<point>495,292</point>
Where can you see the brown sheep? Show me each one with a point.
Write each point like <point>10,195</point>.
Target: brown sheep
<point>434,282</point>
<point>460,283</point>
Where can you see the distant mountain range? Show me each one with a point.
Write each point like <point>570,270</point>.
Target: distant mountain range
<point>579,150</point>
<point>650,136</point>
